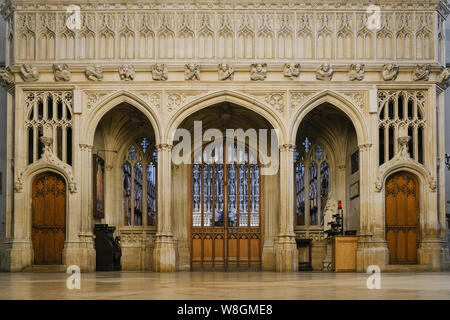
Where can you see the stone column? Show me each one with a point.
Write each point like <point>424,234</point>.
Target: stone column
<point>164,254</point>
<point>286,254</point>
<point>372,248</point>
<point>83,255</point>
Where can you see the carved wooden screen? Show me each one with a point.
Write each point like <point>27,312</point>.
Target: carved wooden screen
<point>402,218</point>
<point>226,215</point>
<point>48,218</point>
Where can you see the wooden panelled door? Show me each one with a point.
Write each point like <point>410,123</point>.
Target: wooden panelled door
<point>226,216</point>
<point>402,218</point>
<point>48,218</point>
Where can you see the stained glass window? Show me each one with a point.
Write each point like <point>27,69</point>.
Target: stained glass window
<point>312,173</point>
<point>140,184</point>
<point>241,188</point>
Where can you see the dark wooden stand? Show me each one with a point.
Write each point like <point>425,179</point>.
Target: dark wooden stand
<point>305,265</point>
<point>108,250</point>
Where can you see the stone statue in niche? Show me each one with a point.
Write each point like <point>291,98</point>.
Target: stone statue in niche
<point>61,72</point>
<point>258,71</point>
<point>291,70</point>
<point>192,71</point>
<point>443,77</point>
<point>127,72</point>
<point>324,72</point>
<point>226,71</point>
<point>422,72</point>
<point>356,72</point>
<point>29,73</point>
<point>159,72</point>
<point>390,72</point>
<point>94,73</point>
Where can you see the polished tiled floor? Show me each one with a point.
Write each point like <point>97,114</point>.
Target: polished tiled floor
<point>224,285</point>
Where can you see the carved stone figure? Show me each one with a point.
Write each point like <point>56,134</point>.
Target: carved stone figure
<point>330,208</point>
<point>422,72</point>
<point>291,70</point>
<point>226,71</point>
<point>159,72</point>
<point>127,72</point>
<point>29,73</point>
<point>356,72</point>
<point>390,72</point>
<point>94,73</point>
<point>7,76</point>
<point>324,72</point>
<point>443,77</point>
<point>258,71</point>
<point>403,146</point>
<point>191,71</point>
<point>61,72</point>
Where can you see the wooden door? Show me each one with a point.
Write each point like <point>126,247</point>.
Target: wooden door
<point>48,218</point>
<point>226,216</point>
<point>402,218</point>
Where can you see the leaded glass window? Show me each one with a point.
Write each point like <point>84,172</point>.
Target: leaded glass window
<point>312,183</point>
<point>139,183</point>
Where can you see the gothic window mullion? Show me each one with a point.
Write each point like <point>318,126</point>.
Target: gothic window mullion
<point>415,143</point>
<point>63,143</point>
<point>35,143</point>
<point>386,143</point>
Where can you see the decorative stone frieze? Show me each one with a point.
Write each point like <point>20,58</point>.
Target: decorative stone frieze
<point>390,72</point>
<point>356,72</point>
<point>291,71</point>
<point>422,72</point>
<point>127,72</point>
<point>192,71</point>
<point>160,72</point>
<point>226,71</point>
<point>94,73</point>
<point>29,73</point>
<point>324,72</point>
<point>7,77</point>
<point>258,71</point>
<point>61,72</point>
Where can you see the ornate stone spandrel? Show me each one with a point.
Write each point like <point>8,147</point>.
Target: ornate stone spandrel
<point>258,71</point>
<point>29,73</point>
<point>276,101</point>
<point>94,73</point>
<point>324,72</point>
<point>357,72</point>
<point>390,72</point>
<point>226,71</point>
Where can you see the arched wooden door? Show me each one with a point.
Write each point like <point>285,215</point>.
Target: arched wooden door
<point>226,214</point>
<point>48,218</point>
<point>402,218</point>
